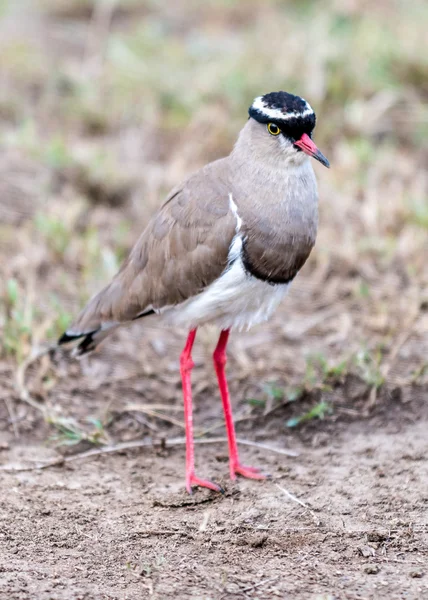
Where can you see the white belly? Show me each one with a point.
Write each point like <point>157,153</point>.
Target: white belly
<point>236,300</point>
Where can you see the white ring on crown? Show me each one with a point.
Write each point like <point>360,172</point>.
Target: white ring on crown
<point>277,114</point>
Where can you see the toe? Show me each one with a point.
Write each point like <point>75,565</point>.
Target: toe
<point>206,483</point>
<point>250,472</point>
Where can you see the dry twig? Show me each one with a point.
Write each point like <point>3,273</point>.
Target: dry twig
<point>149,410</point>
<point>12,417</point>
<point>24,394</point>
<point>298,501</point>
<point>256,585</point>
<point>137,444</point>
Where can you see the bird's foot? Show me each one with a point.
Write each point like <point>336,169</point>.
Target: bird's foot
<point>192,480</point>
<point>245,471</point>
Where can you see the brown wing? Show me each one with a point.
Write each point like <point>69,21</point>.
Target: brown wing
<point>183,249</point>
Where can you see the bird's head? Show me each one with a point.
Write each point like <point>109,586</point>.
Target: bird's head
<point>288,122</point>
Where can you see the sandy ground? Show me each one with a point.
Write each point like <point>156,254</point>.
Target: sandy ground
<point>121,526</point>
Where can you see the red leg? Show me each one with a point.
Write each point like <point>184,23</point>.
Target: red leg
<point>220,359</point>
<point>186,366</point>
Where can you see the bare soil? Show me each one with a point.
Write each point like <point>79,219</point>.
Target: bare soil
<point>121,526</point>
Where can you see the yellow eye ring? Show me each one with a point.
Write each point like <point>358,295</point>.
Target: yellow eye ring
<point>273,129</point>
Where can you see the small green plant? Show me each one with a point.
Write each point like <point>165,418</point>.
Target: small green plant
<point>70,432</point>
<point>257,402</point>
<point>61,321</point>
<point>100,261</point>
<point>56,153</point>
<point>317,412</point>
<point>294,393</point>
<point>363,289</point>
<point>17,316</point>
<point>271,394</point>
<point>55,232</point>
<point>419,373</point>
<point>321,374</point>
<point>418,212</point>
<point>368,367</point>
<point>274,392</point>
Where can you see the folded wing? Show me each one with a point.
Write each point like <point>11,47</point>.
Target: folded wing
<point>184,249</point>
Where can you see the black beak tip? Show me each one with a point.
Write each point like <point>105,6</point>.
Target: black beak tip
<point>322,159</point>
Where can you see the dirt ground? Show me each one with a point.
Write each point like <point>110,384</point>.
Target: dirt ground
<point>104,106</point>
<point>121,526</point>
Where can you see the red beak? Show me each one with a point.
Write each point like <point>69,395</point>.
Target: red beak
<point>307,145</point>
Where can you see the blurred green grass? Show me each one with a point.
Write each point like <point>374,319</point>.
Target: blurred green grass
<point>117,101</point>
<point>163,66</point>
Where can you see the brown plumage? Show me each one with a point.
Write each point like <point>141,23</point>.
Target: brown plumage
<point>183,249</point>
<point>223,247</point>
<point>185,246</point>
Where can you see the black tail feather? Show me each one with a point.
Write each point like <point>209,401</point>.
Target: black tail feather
<point>86,345</point>
<point>66,337</point>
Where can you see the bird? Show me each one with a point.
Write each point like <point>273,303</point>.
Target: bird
<point>222,249</point>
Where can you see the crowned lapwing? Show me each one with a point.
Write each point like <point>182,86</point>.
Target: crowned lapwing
<point>222,249</point>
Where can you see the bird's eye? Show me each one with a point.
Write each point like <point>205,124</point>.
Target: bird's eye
<point>273,129</point>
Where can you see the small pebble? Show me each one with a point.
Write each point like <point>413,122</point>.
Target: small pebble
<point>258,540</point>
<point>416,574</point>
<point>377,536</point>
<point>372,569</point>
<point>366,551</point>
